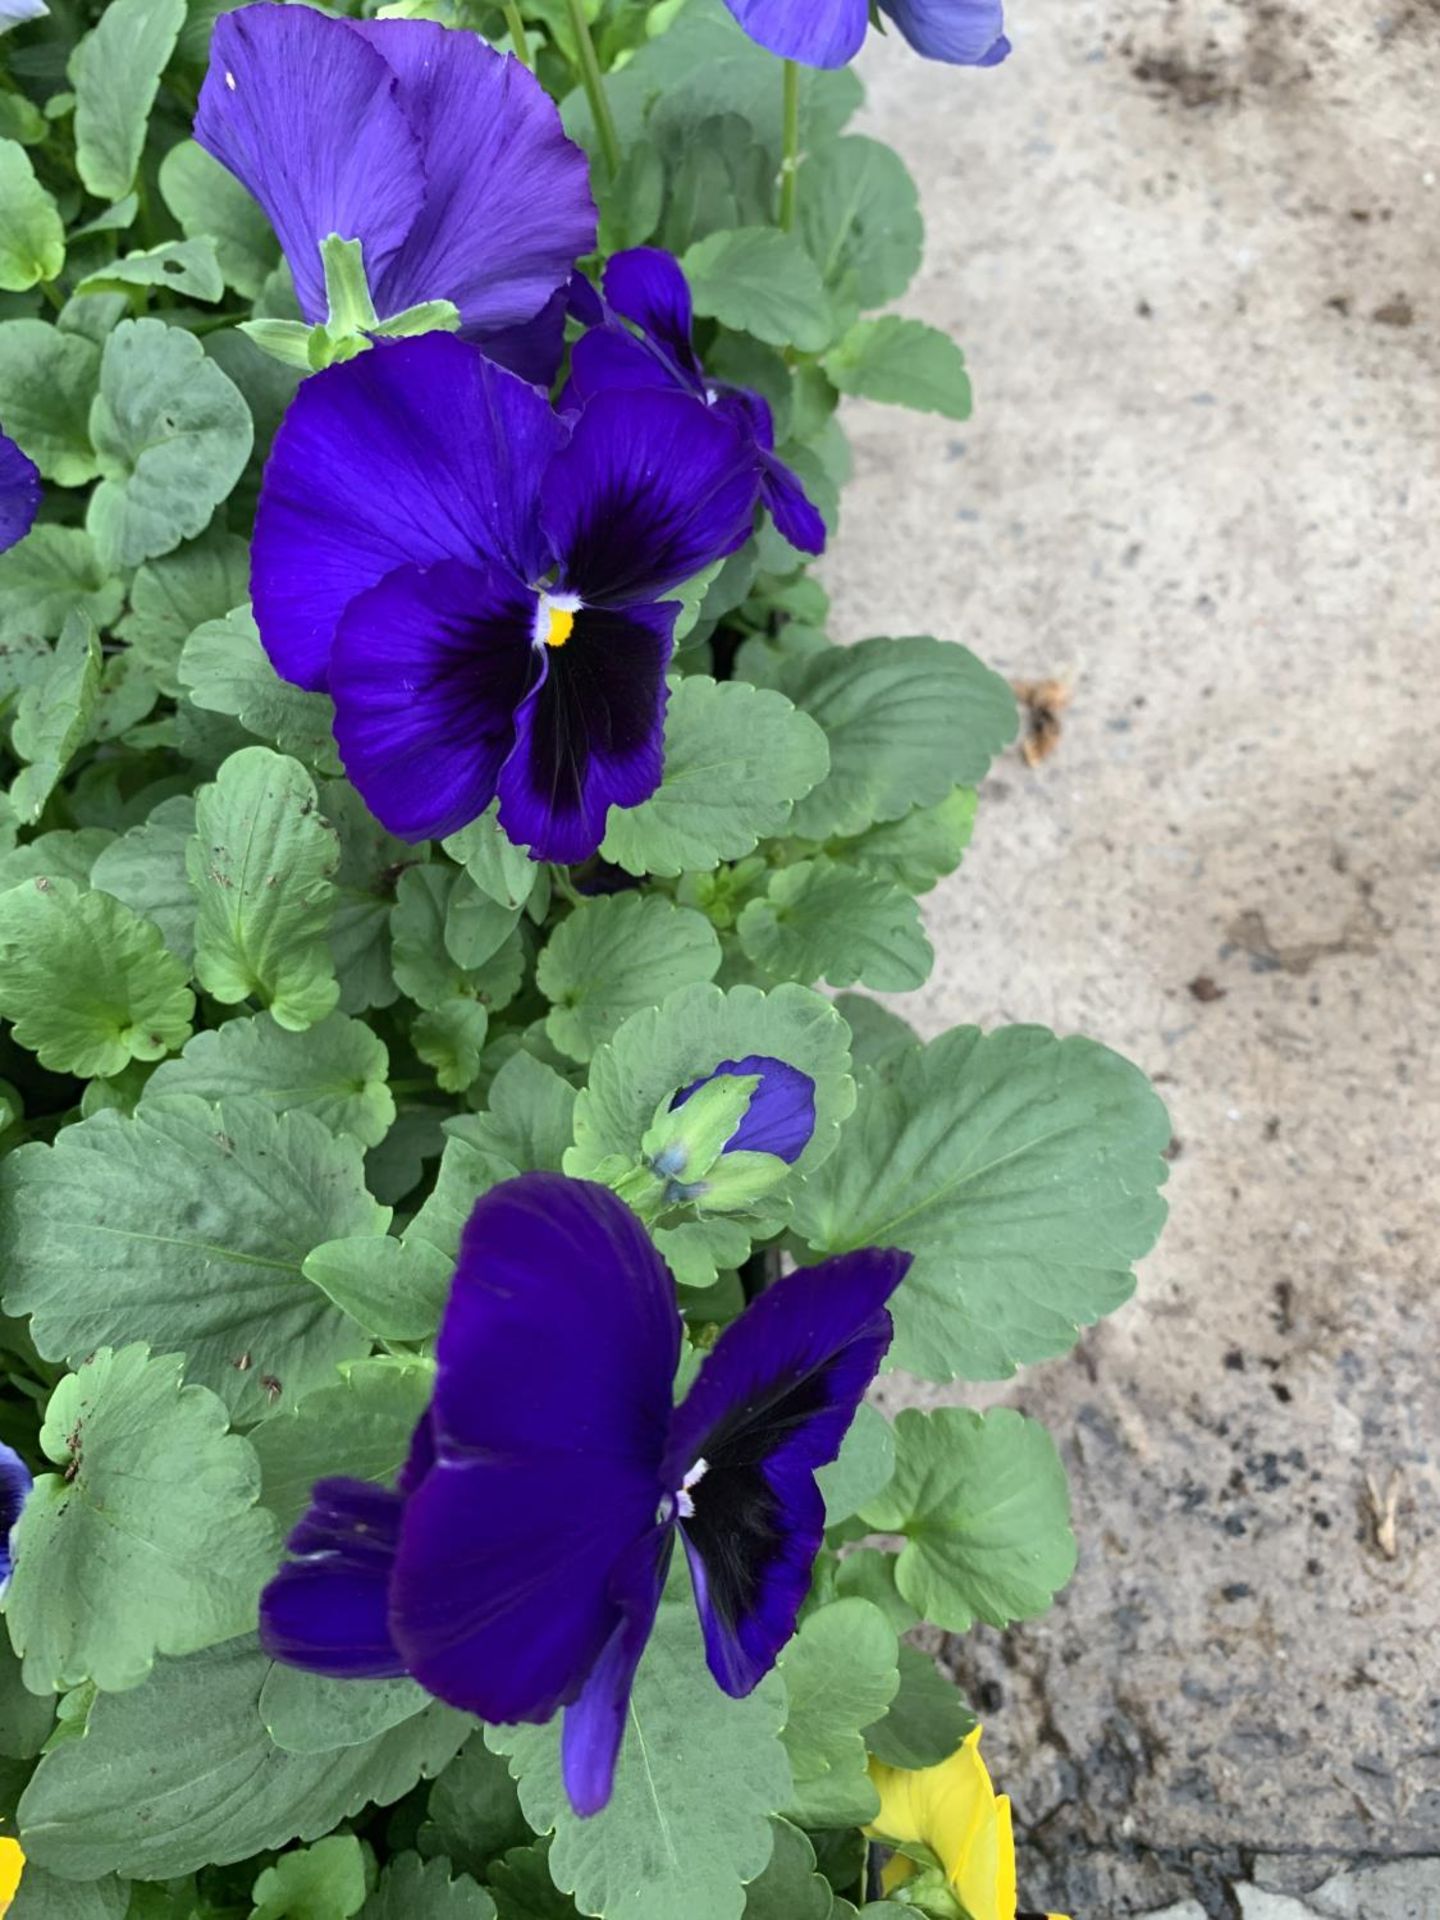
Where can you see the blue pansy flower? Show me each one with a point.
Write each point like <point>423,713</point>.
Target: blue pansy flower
<point>647,286</point>
<point>480,583</point>
<point>19,493</point>
<point>781,1116</point>
<point>445,159</point>
<point>15,1483</point>
<point>828,33</point>
<point>517,1566</point>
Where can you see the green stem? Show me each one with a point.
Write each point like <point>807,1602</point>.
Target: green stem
<point>514,19</point>
<point>52,293</point>
<point>790,159</point>
<point>594,86</point>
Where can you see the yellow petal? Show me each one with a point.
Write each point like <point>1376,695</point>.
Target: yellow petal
<point>953,1810</point>
<point>12,1865</point>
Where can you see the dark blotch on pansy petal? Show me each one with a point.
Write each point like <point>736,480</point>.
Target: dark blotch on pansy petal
<point>781,1116</point>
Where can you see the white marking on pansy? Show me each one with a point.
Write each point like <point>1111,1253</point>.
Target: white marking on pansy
<point>547,630</point>
<point>230,80</point>
<point>684,1505</point>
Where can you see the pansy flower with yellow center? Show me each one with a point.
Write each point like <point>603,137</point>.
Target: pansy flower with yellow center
<point>12,1865</point>
<point>955,1855</point>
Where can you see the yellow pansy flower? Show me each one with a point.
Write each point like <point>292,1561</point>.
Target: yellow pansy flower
<point>12,1865</point>
<point>955,1813</point>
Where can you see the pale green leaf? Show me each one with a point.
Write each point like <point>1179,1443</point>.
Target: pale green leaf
<point>925,1722</point>
<point>65,854</point>
<point>414,1889</point>
<point>337,1071</point>
<point>181,1773</point>
<point>371,862</point>
<point>760,281</point>
<point>148,1540</point>
<point>115,71</point>
<point>450,1039</point>
<point>497,866</point>
<point>185,1226</point>
<point>791,1887</point>
<point>172,434</point>
<point>919,848</point>
<point>863,1467</point>
<point>982,1502</point>
<point>475,1811</point>
<point>1022,1171</point>
<point>323,1882</point>
<point>43,1896</point>
<point>173,595</point>
<point>208,200</point>
<point>698,1774</point>
<point>615,955</point>
<point>840,1674</point>
<point>53,572</point>
<point>225,669</point>
<point>145,868</point>
<point>529,1116</point>
<point>313,1713</point>
<point>859,216</point>
<point>54,715</point>
<point>89,985</point>
<point>820,920</point>
<point>187,267</point>
<point>260,864</point>
<point>904,362</point>
<point>878,1037</point>
<point>736,759</point>
<point>32,239</point>
<point>361,1426</point>
<point>427,969</point>
<point>48,380</point>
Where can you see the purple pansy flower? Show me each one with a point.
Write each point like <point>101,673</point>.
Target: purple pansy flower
<point>15,1484</point>
<point>828,33</point>
<point>781,1116</point>
<point>19,493</point>
<point>479,583</point>
<point>445,159</point>
<point>648,287</point>
<point>518,1565</point>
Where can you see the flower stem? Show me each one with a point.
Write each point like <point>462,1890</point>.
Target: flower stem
<point>790,159</point>
<point>594,86</point>
<point>515,20</point>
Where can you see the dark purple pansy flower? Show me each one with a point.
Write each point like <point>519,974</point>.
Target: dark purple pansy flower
<point>19,493</point>
<point>15,1484</point>
<point>445,159</point>
<point>781,1116</point>
<point>479,583</point>
<point>828,33</point>
<point>518,1565</point>
<point>647,287</point>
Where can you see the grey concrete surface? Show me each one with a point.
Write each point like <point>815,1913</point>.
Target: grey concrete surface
<point>1191,251</point>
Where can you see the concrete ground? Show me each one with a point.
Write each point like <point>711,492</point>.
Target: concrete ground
<point>1191,251</point>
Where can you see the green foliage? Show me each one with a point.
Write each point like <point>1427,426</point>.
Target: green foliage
<point>925,1722</point>
<point>115,71</point>
<point>54,714</point>
<point>336,1071</point>
<point>760,281</point>
<point>224,669</point>
<point>904,362</point>
<point>323,1882</point>
<point>840,1674</point>
<point>415,1889</point>
<point>860,220</point>
<point>614,956</point>
<point>821,920</point>
<point>32,240</point>
<point>360,1425</point>
<point>48,380</point>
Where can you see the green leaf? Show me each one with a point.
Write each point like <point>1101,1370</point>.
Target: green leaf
<point>663,1049</point>
<point>864,1466</point>
<point>172,596</point>
<point>185,1226</point>
<point>52,573</point>
<point>225,669</point>
<point>208,200</point>
<point>926,1721</point>
<point>61,855</point>
<point>48,380</point>
<point>44,1897</point>
<point>522,1888</point>
<point>869,1574</point>
<point>180,1773</point>
<point>907,721</point>
<point>89,985</point>
<point>613,956</point>
<point>760,281</point>
<point>790,1888</point>
<point>450,1039</point>
<point>54,715</point>
<point>172,433</point>
<point>187,267</point>
<point>313,1713</point>
<point>1022,1171</point>
<point>919,848</point>
<point>736,759</point>
<point>115,71</point>
<point>859,216</point>
<point>32,239</point>
<point>21,120</point>
<point>426,964</point>
<point>820,920</point>
<point>840,1675</point>
<point>361,1426</point>
<point>982,1502</point>
<point>337,1071</point>
<point>904,362</point>
<point>529,1116</point>
<point>697,1776</point>
<point>415,1889</point>
<point>260,864</point>
<point>878,1037</point>
<point>475,1810</point>
<point>371,861</point>
<point>145,869</point>
<point>500,869</point>
<point>722,178</point>
<point>323,1882</point>
<point>148,1540</point>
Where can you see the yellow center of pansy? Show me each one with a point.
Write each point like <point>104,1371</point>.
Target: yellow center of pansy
<point>562,625</point>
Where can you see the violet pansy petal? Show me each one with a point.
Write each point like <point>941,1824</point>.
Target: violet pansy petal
<point>650,490</point>
<point>326,1610</point>
<point>966,33</point>
<point>306,116</point>
<point>15,1484</point>
<point>551,1406</point>
<point>534,348</point>
<point>781,1116</point>
<point>818,33</point>
<point>420,451</point>
<point>595,1723</point>
<point>648,286</point>
<point>795,515</point>
<point>591,734</point>
<point>427,671</point>
<point>606,357</point>
<point>773,1401</point>
<point>507,206</point>
<point>19,493</point>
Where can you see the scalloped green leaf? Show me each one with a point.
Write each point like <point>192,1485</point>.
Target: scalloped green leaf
<point>840,1673</point>
<point>615,955</point>
<point>115,71</point>
<point>224,668</point>
<point>48,380</point>
<point>208,200</point>
<point>902,362</point>
<point>858,213</point>
<point>821,920</point>
<point>32,238</point>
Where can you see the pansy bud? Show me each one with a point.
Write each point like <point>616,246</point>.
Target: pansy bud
<point>781,1116</point>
